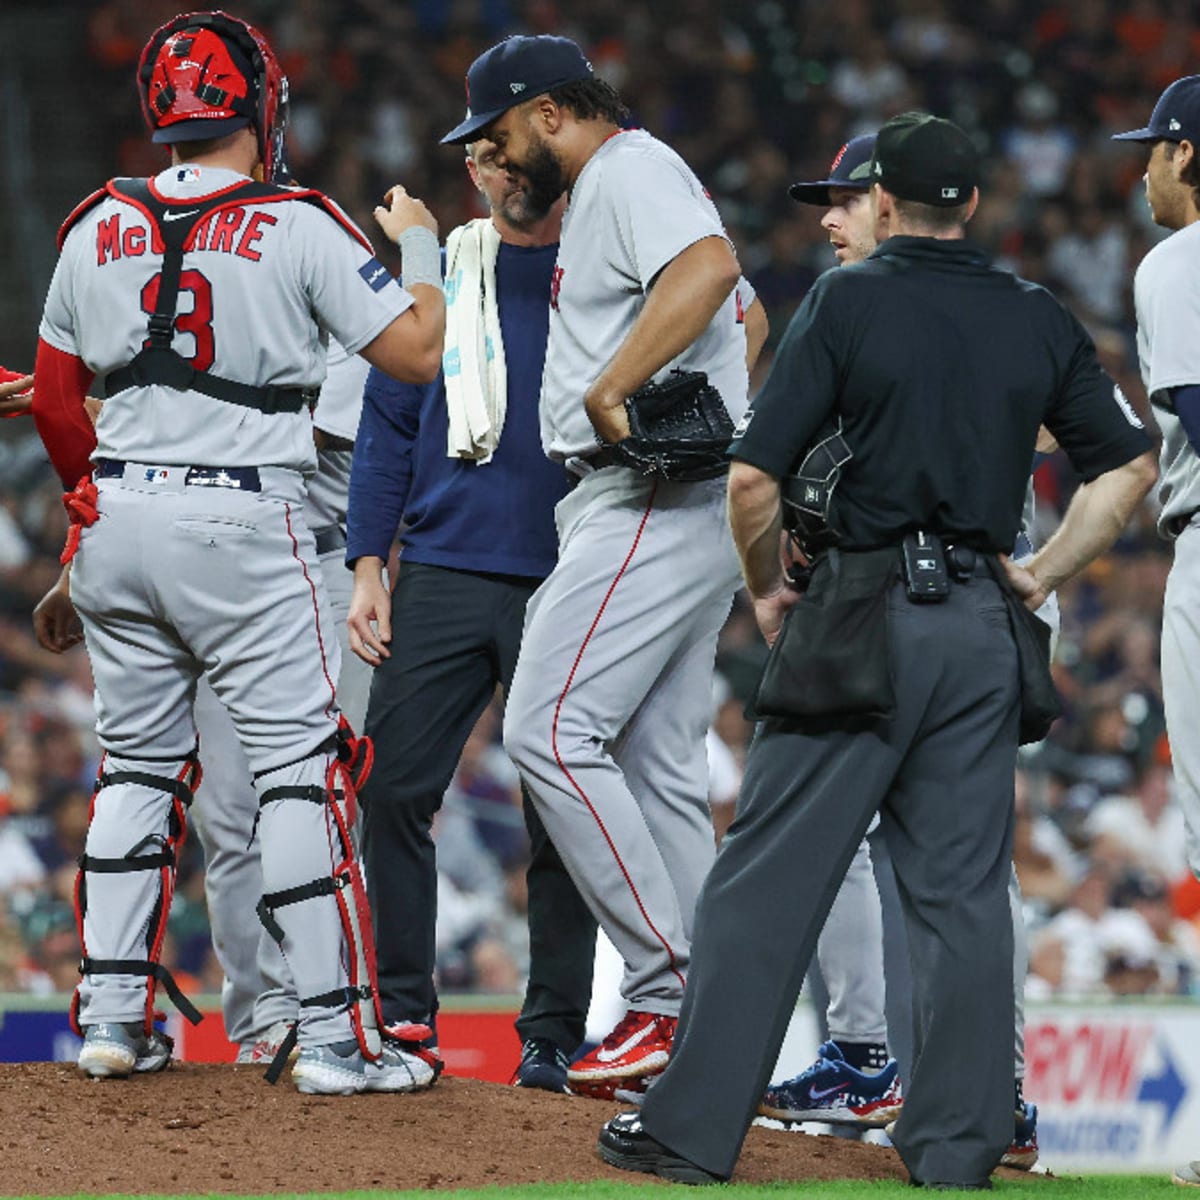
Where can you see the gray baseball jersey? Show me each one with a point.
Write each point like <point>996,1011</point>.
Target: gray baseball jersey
<point>319,279</point>
<point>635,206</point>
<point>1166,292</point>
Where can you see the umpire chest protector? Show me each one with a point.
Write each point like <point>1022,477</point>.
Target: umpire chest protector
<point>174,226</point>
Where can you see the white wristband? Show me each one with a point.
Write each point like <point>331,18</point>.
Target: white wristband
<point>420,257</point>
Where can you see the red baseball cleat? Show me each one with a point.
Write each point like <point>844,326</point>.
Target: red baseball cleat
<point>640,1045</point>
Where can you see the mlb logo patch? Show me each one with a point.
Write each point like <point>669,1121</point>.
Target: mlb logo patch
<point>155,476</point>
<point>375,274</point>
<point>187,175</point>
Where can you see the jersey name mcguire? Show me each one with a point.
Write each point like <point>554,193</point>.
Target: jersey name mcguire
<point>226,231</point>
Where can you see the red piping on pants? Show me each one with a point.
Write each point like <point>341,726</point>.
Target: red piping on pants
<point>287,508</point>
<point>562,766</point>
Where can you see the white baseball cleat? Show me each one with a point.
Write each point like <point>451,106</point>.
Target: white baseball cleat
<point>113,1050</point>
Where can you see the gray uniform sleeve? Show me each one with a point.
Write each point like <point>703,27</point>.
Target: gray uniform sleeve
<point>660,210</point>
<point>1168,308</point>
<point>352,293</point>
<point>58,323</point>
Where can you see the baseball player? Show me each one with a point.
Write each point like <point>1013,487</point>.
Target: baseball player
<point>258,997</point>
<point>1167,299</point>
<point>852,1080</point>
<point>258,993</point>
<point>608,709</point>
<point>458,467</point>
<point>200,301</point>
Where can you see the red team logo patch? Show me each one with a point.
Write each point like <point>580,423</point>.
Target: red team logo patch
<point>555,286</point>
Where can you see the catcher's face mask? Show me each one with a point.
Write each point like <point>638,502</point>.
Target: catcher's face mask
<point>206,74</point>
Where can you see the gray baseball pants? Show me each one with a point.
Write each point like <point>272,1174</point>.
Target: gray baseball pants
<point>610,704</point>
<point>258,990</point>
<point>175,581</point>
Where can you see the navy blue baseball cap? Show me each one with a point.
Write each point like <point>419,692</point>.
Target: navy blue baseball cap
<point>1176,115</point>
<point>513,71</point>
<point>851,168</point>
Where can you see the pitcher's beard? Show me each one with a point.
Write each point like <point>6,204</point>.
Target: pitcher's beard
<point>545,178</point>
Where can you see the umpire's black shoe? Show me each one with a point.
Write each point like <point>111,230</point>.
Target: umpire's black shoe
<point>624,1143</point>
<point>984,1185</point>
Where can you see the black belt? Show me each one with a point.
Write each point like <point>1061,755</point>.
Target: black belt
<point>962,562</point>
<point>1176,525</point>
<point>330,538</point>
<point>241,479</point>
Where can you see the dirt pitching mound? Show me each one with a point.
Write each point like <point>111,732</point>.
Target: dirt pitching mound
<point>215,1128</point>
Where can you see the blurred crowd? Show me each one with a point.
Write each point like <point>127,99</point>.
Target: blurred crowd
<point>754,94</point>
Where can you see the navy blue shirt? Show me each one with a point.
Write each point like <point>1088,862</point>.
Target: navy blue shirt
<point>497,518</point>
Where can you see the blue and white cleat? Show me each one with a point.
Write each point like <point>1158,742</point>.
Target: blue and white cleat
<point>831,1090</point>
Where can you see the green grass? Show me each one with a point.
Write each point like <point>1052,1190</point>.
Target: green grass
<point>1088,1187</point>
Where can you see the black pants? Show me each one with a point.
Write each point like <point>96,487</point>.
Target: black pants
<point>940,773</point>
<point>455,635</point>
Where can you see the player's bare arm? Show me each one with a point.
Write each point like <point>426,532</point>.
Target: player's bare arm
<point>55,621</point>
<point>755,519</point>
<point>410,348</point>
<point>681,302</point>
<point>370,616</point>
<point>1095,517</point>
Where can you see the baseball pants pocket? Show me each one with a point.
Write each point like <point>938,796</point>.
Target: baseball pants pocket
<point>205,529</point>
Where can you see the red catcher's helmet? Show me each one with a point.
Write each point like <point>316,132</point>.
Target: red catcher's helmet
<point>206,74</point>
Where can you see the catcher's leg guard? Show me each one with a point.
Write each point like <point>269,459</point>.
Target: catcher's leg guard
<point>314,902</point>
<point>124,888</point>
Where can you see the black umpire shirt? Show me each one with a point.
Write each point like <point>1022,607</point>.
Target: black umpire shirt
<point>941,368</point>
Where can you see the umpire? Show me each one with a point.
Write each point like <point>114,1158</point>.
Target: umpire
<point>940,369</point>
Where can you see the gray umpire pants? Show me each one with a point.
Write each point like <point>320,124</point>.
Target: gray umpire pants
<point>806,802</point>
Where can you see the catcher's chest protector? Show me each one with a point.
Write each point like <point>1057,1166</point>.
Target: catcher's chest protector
<point>213,222</point>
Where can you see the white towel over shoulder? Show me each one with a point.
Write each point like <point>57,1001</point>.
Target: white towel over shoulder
<point>473,361</point>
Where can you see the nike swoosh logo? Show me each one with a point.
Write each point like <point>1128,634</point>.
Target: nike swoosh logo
<point>819,1094</point>
<point>628,1044</point>
<point>178,216</point>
